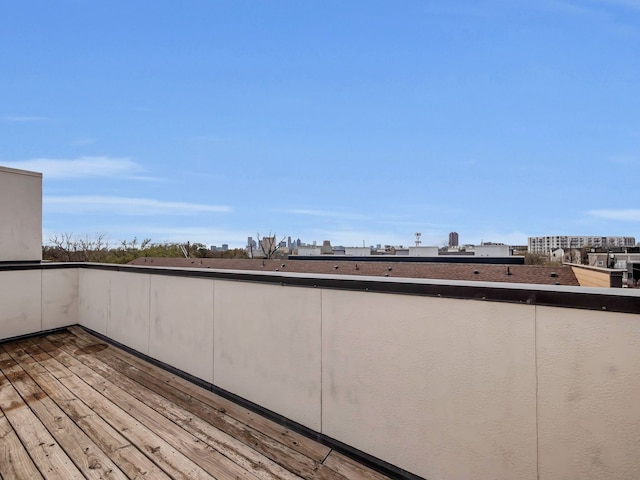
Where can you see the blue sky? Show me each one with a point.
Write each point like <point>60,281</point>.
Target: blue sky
<point>353,121</point>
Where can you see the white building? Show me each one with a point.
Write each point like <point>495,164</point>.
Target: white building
<point>21,215</point>
<point>423,251</point>
<point>357,251</point>
<point>491,250</point>
<point>549,243</point>
<point>309,250</point>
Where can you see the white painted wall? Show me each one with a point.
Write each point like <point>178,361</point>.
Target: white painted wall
<point>308,250</point>
<point>357,251</point>
<point>169,318</point>
<point>492,250</point>
<point>181,324</point>
<point>94,300</point>
<point>129,300</point>
<point>20,302</point>
<point>267,347</point>
<point>444,388</point>
<point>588,394</point>
<point>35,300</point>
<point>423,251</point>
<point>59,297</point>
<point>440,387</point>
<point>20,215</point>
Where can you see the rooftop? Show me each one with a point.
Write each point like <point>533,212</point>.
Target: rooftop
<point>531,274</point>
<point>74,406</point>
<point>418,378</point>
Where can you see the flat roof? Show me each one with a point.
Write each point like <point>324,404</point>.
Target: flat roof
<point>383,267</point>
<point>20,172</point>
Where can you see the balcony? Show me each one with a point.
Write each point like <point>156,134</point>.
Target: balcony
<point>414,378</point>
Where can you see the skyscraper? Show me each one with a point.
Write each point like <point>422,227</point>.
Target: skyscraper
<point>453,239</point>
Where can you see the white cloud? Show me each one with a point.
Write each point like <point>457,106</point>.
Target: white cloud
<point>626,215</point>
<point>126,206</point>
<point>81,167</point>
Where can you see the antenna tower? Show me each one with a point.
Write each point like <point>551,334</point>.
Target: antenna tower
<point>418,241</point>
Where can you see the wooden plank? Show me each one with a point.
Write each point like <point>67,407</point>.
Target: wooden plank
<point>169,391</point>
<point>227,434</point>
<point>241,453</point>
<point>276,451</point>
<point>167,457</point>
<point>15,462</point>
<point>127,457</point>
<point>130,460</point>
<point>86,455</point>
<point>45,452</point>
<point>350,468</point>
<point>129,397</point>
<point>293,440</point>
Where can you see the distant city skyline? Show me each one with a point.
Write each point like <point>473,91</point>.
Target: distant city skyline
<point>349,121</point>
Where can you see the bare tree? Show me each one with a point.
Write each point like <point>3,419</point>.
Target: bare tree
<point>65,246</point>
<point>93,249</point>
<point>268,245</point>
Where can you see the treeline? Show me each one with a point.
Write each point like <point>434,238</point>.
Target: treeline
<point>70,248</point>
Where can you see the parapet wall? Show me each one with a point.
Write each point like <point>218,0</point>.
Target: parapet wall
<point>36,299</point>
<point>432,377</point>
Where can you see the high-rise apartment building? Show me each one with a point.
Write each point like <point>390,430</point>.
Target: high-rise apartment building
<point>453,239</point>
<point>550,243</point>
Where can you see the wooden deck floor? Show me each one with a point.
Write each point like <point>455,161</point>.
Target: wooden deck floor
<point>75,407</point>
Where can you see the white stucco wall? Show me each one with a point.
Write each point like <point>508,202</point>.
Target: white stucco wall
<point>59,297</point>
<point>129,295</point>
<point>20,215</point>
<point>35,300</point>
<point>423,251</point>
<point>492,250</point>
<point>267,346</point>
<point>181,324</point>
<point>20,302</point>
<point>308,250</point>
<point>444,388</point>
<point>588,394</point>
<point>357,251</point>
<point>94,293</point>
